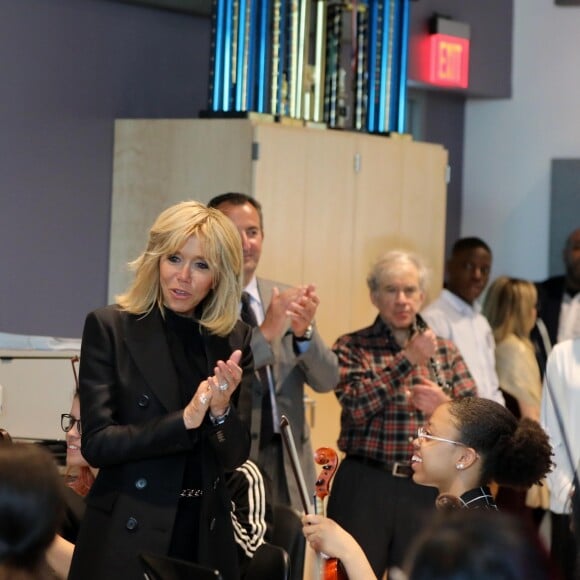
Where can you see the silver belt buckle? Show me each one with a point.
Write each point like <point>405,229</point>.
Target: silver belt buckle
<point>191,492</point>
<point>396,472</point>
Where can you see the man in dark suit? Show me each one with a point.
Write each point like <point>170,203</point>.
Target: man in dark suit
<point>559,303</point>
<point>288,352</point>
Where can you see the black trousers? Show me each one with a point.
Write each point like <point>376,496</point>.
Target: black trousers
<point>384,513</point>
<point>563,546</point>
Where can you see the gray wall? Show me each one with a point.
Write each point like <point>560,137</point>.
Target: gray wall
<point>564,208</point>
<point>444,123</point>
<point>443,111</point>
<point>69,68</point>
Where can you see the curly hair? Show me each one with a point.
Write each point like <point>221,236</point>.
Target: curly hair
<point>514,453</point>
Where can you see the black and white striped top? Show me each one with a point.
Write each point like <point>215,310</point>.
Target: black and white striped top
<point>248,494</point>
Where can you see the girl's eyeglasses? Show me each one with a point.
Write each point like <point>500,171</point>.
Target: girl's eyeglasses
<point>67,422</point>
<point>422,435</point>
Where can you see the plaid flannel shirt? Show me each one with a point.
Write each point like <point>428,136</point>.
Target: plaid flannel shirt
<point>378,421</point>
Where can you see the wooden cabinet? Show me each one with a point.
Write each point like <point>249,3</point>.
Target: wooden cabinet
<point>333,201</point>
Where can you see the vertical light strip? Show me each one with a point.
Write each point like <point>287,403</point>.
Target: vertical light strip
<point>385,44</point>
<point>294,19</point>
<point>372,72</point>
<point>395,66</point>
<point>262,56</point>
<point>319,60</point>
<point>404,66</point>
<point>227,43</point>
<point>218,48</point>
<point>240,53</point>
<point>302,57</point>
<point>252,72</point>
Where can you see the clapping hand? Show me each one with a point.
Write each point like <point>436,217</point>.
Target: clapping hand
<point>215,392</point>
<point>297,304</point>
<point>303,309</point>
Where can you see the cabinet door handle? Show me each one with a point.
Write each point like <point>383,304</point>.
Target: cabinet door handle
<point>310,409</point>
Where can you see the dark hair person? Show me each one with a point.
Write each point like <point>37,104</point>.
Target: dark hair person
<point>31,508</point>
<point>468,443</point>
<point>159,378</point>
<point>477,546</point>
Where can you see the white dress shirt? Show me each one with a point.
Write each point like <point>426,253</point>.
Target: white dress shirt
<point>569,326</point>
<point>454,319</point>
<point>561,412</point>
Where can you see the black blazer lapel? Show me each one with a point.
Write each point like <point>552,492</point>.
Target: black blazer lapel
<point>147,343</point>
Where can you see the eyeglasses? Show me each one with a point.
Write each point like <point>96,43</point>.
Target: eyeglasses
<point>67,422</point>
<point>394,291</point>
<point>422,435</point>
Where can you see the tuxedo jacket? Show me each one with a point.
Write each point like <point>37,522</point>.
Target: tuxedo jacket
<point>550,295</point>
<point>133,430</point>
<point>317,367</point>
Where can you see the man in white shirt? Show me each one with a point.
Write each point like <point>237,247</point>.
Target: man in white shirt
<point>455,315</point>
<point>559,417</point>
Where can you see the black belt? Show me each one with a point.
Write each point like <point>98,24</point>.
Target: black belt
<point>196,492</point>
<point>191,492</point>
<point>396,469</point>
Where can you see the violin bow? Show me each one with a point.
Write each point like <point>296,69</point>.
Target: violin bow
<point>288,439</point>
<point>331,569</point>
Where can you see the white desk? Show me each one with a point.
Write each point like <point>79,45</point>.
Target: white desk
<point>35,388</point>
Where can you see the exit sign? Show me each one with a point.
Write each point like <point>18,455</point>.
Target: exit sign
<point>448,58</point>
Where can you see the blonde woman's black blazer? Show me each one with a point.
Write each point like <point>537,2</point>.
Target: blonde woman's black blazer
<point>133,431</point>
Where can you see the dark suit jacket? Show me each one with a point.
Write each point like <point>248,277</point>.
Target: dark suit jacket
<point>550,294</point>
<point>133,431</point>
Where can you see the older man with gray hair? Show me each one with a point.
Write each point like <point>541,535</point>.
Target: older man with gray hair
<point>393,375</point>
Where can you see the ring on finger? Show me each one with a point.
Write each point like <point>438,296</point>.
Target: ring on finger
<point>203,398</point>
<point>223,386</point>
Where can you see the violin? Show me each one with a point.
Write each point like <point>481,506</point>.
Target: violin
<point>332,569</point>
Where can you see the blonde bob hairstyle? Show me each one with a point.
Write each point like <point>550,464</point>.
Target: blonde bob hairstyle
<point>509,307</point>
<point>393,263</point>
<point>222,249</point>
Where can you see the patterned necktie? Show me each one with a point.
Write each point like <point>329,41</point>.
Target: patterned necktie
<point>266,427</point>
<point>247,313</point>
